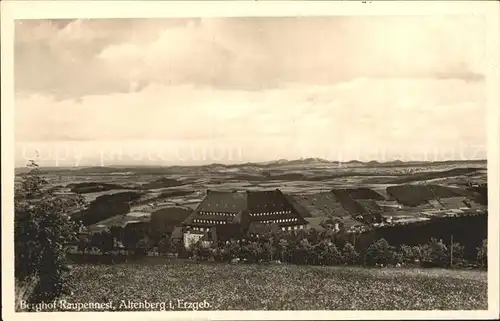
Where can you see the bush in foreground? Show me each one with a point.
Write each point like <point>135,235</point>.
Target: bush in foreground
<point>380,252</point>
<point>42,229</point>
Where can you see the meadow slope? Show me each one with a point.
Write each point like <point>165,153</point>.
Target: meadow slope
<point>282,287</point>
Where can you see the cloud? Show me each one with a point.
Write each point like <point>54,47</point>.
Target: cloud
<point>273,87</point>
<point>360,113</point>
<point>70,59</point>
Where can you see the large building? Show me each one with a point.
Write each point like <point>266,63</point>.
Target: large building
<point>243,208</point>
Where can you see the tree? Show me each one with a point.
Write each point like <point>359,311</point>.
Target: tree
<point>482,254</point>
<point>301,251</point>
<point>107,242</point>
<point>282,249</point>
<point>409,254</point>
<point>131,238</point>
<point>42,230</point>
<point>268,251</point>
<point>83,243</point>
<point>116,232</point>
<point>142,246</point>
<point>349,254</point>
<point>252,252</point>
<point>95,240</point>
<point>333,255</point>
<point>379,252</point>
<point>418,252</point>
<point>457,250</point>
<point>326,253</point>
<point>435,253</point>
<point>164,245</point>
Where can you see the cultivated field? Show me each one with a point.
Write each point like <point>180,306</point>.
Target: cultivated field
<point>282,287</point>
<point>159,187</point>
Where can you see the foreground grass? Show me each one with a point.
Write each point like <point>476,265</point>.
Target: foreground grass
<point>282,287</point>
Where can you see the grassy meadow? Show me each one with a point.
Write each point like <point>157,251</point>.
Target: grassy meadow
<point>281,287</point>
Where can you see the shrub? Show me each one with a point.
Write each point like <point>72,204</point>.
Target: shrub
<point>251,252</point>
<point>408,255</point>
<point>83,243</point>
<point>326,253</point>
<point>379,252</point>
<point>142,246</point>
<point>42,229</point>
<point>268,251</point>
<point>458,254</point>
<point>349,254</point>
<point>418,251</point>
<point>106,242</point>
<point>164,245</point>
<point>435,254</point>
<point>482,254</point>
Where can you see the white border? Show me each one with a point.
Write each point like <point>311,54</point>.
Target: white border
<point>11,10</point>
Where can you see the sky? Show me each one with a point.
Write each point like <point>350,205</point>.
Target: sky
<point>231,90</point>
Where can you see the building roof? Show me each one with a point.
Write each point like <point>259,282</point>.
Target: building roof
<point>321,204</point>
<point>223,202</point>
<point>267,201</point>
<point>223,207</point>
<point>315,223</point>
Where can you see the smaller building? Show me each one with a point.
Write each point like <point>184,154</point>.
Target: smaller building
<point>191,238</point>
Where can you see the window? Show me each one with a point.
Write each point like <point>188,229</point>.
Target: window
<point>289,228</point>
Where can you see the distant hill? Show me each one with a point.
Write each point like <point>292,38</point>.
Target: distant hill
<point>166,170</point>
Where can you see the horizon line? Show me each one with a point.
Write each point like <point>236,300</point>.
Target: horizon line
<point>263,163</point>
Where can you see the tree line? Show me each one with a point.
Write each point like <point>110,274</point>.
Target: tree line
<point>309,247</point>
<point>325,252</point>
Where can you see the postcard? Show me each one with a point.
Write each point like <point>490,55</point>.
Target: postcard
<point>250,160</point>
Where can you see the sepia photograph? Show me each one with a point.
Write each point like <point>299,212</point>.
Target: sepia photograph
<point>287,162</point>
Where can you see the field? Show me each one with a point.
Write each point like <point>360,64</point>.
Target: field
<point>160,186</point>
<point>281,287</point>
